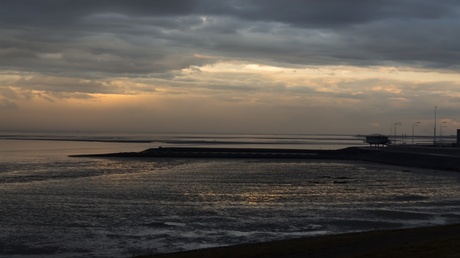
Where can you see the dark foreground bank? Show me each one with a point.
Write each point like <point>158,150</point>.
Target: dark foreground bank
<point>437,241</point>
<point>412,156</point>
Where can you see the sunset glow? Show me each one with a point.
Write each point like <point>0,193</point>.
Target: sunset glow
<point>117,67</point>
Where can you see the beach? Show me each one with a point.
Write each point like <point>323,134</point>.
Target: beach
<point>432,241</point>
<point>435,241</point>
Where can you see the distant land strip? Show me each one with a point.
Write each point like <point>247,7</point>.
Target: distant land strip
<point>412,156</point>
<point>67,139</point>
<point>290,141</point>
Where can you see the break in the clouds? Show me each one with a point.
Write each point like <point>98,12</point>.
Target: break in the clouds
<point>282,62</point>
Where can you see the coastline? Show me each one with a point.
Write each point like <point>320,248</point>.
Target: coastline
<point>402,155</point>
<point>434,241</point>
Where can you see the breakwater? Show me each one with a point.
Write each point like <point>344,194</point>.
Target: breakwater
<point>421,157</point>
<point>198,152</point>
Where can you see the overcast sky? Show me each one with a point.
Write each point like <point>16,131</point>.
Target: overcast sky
<point>230,66</point>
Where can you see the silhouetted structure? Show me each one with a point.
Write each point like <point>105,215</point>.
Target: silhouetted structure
<point>458,138</point>
<point>377,140</point>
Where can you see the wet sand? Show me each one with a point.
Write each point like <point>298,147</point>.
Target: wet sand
<point>436,241</point>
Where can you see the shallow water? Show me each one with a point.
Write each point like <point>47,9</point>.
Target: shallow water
<point>79,207</point>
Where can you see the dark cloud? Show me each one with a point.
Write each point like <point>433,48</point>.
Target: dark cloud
<point>311,13</point>
<point>58,13</point>
<point>337,13</point>
<point>95,38</point>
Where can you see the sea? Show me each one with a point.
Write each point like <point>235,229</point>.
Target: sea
<point>53,205</point>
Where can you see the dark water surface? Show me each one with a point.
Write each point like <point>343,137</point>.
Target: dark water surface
<point>78,207</point>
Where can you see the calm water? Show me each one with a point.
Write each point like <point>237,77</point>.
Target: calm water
<point>78,207</point>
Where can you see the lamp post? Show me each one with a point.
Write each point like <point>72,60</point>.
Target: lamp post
<point>394,130</point>
<point>413,126</point>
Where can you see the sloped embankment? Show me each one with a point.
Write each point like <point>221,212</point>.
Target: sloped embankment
<point>430,158</point>
<point>421,157</point>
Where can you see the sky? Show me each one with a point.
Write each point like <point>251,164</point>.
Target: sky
<point>230,66</point>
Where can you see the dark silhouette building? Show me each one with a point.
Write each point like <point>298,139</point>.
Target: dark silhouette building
<point>377,140</point>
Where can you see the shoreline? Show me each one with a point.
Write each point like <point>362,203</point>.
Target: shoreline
<point>432,241</point>
<point>426,157</point>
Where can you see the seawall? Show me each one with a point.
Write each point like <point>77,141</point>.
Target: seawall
<point>412,156</point>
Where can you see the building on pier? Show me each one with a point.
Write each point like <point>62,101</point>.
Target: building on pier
<point>377,140</point>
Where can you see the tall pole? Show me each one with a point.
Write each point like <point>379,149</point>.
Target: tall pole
<point>434,139</point>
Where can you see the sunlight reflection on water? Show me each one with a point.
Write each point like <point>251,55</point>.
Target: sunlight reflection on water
<point>79,207</point>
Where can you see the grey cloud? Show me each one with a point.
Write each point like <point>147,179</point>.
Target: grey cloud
<point>337,13</point>
<point>63,84</point>
<point>318,13</point>
<point>57,13</point>
<point>156,37</point>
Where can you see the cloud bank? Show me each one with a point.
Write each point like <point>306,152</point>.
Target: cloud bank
<point>359,62</point>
